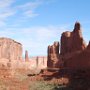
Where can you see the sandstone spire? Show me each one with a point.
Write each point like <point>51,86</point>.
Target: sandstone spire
<point>26,56</point>
<point>77,26</point>
<point>53,55</point>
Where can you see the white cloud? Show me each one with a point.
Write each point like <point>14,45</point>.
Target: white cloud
<point>30,14</point>
<point>5,10</point>
<point>28,9</point>
<point>6,14</point>
<point>30,5</point>
<point>34,39</point>
<point>2,24</point>
<point>23,12</point>
<point>38,38</point>
<point>6,3</point>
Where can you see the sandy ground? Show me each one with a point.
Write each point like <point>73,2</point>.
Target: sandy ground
<point>46,80</point>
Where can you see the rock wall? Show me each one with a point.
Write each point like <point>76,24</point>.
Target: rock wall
<point>11,57</point>
<point>74,53</point>
<point>38,62</point>
<point>80,60</point>
<point>10,49</point>
<point>53,55</point>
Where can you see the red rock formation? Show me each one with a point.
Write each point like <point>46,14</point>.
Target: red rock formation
<point>72,41</point>
<point>10,49</point>
<point>11,57</point>
<point>38,62</point>
<point>79,60</point>
<point>88,47</point>
<point>26,56</point>
<point>74,54</point>
<point>53,55</point>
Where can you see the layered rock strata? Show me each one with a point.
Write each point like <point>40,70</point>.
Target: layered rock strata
<point>10,49</point>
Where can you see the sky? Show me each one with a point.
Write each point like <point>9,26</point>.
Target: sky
<point>38,23</point>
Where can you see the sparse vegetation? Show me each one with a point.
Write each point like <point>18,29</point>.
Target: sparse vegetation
<point>21,81</point>
<point>41,85</point>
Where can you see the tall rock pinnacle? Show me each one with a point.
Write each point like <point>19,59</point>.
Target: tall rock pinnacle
<point>77,26</point>
<point>26,56</point>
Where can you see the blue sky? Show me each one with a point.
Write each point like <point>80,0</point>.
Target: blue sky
<point>38,23</point>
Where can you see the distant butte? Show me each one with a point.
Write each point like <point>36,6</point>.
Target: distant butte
<point>11,56</point>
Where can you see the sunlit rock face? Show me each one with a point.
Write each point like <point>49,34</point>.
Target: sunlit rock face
<point>80,60</point>
<point>53,55</point>
<point>72,41</point>
<point>10,49</point>
<point>74,50</point>
<point>74,53</point>
<point>11,56</point>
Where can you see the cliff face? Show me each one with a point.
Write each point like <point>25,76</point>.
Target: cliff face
<point>53,55</point>
<point>80,60</point>
<point>10,49</point>
<point>74,53</point>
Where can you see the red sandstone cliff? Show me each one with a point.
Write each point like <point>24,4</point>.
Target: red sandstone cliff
<point>79,60</point>
<point>74,53</point>
<point>53,55</point>
<point>10,49</point>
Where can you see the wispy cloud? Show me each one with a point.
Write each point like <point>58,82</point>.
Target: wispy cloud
<point>5,10</point>
<point>28,9</point>
<point>30,14</point>
<point>34,39</point>
<point>6,3</point>
<point>6,14</point>
<point>23,11</point>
